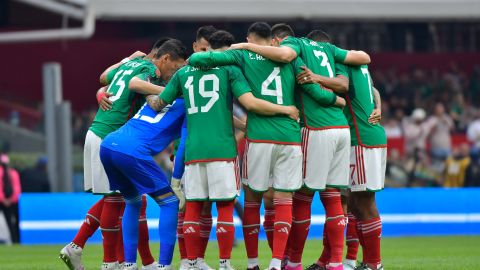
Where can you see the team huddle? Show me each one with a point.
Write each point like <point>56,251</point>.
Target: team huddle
<point>312,125</point>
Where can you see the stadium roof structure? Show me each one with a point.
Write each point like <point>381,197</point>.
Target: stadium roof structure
<point>91,10</point>
<point>285,9</point>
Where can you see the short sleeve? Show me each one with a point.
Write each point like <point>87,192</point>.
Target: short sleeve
<point>213,59</point>
<point>111,75</point>
<point>238,82</point>
<point>339,54</point>
<point>172,90</point>
<point>292,43</point>
<point>341,69</point>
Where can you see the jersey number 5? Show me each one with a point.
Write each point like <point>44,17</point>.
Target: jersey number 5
<point>212,94</point>
<point>120,83</point>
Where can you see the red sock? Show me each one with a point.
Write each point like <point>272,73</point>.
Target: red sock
<point>119,247</point>
<point>143,245</point>
<point>251,226</point>
<point>112,206</point>
<point>205,228</point>
<point>268,225</point>
<point>191,228</point>
<point>181,240</point>
<point>334,224</point>
<point>225,228</point>
<point>325,257</point>
<point>360,238</point>
<point>371,232</point>
<point>352,237</point>
<point>282,226</point>
<point>300,225</point>
<point>89,225</point>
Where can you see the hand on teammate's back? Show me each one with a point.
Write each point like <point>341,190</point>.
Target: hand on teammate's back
<point>292,112</point>
<point>103,99</point>
<point>306,76</point>
<point>340,102</point>
<point>375,116</point>
<point>238,46</point>
<point>136,55</point>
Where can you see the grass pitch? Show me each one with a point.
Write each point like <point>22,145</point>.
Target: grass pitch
<point>406,253</point>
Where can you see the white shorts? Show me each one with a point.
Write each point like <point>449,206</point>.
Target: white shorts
<point>272,165</point>
<point>95,178</point>
<point>367,168</point>
<point>325,158</point>
<point>217,180</point>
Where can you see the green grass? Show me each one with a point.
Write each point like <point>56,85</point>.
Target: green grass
<point>406,253</point>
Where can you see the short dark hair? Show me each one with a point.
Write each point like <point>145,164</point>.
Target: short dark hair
<point>282,30</point>
<point>261,29</point>
<point>319,36</point>
<point>174,47</point>
<point>221,39</point>
<point>160,42</point>
<point>205,32</point>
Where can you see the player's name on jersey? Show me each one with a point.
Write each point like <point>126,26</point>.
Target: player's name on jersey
<point>133,64</point>
<point>191,69</point>
<point>254,56</point>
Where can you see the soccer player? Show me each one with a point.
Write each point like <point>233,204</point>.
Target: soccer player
<point>367,159</point>
<point>127,83</point>
<point>211,172</point>
<point>200,45</point>
<point>127,158</point>
<point>273,154</point>
<point>326,141</point>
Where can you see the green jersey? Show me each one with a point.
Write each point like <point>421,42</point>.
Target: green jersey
<point>361,102</point>
<point>270,81</point>
<point>208,97</point>
<point>320,58</point>
<point>125,103</point>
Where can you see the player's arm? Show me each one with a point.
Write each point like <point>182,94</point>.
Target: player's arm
<point>338,84</point>
<point>140,84</point>
<point>376,114</point>
<point>355,58</point>
<point>168,95</point>
<point>212,59</point>
<point>107,75</point>
<point>239,124</point>
<point>260,106</point>
<point>103,98</point>
<point>179,167</point>
<point>283,54</point>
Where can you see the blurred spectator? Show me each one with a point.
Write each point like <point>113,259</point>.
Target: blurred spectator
<point>36,179</point>
<point>438,127</point>
<point>393,129</point>
<point>10,190</point>
<point>456,166</point>
<point>473,132</point>
<point>472,176</point>
<point>421,172</point>
<point>396,175</point>
<point>414,132</point>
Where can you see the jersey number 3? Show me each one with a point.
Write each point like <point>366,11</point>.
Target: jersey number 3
<point>212,94</point>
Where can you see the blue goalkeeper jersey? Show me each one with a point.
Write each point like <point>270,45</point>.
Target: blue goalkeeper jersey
<point>148,132</point>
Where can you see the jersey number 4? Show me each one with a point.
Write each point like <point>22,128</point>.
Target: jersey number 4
<point>212,94</point>
<point>277,92</point>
